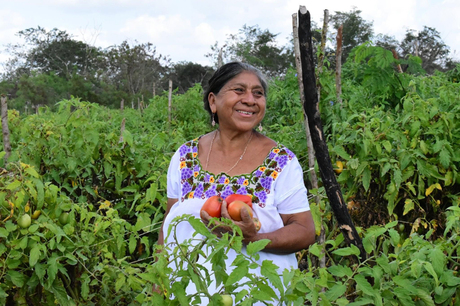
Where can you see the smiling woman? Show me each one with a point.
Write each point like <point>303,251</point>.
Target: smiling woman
<point>235,159</point>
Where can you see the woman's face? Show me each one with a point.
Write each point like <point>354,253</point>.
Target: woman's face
<point>240,104</point>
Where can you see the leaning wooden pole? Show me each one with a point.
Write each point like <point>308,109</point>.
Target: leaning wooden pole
<point>338,66</point>
<point>5,129</point>
<point>326,170</point>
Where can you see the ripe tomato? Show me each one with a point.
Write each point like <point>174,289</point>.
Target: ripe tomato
<point>239,197</point>
<point>212,206</point>
<point>234,209</point>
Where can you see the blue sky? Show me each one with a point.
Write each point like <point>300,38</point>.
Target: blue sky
<point>185,29</point>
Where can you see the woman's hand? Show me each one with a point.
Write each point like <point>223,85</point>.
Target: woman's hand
<point>246,224</point>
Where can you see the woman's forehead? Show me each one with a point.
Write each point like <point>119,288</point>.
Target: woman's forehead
<point>246,78</point>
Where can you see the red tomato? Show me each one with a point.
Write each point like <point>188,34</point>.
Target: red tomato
<point>239,197</point>
<point>212,206</point>
<point>234,209</point>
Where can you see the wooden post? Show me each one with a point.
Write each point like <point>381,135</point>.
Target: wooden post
<point>5,129</point>
<point>311,150</point>
<point>153,89</point>
<point>395,56</point>
<point>338,66</point>
<point>122,104</point>
<point>122,129</point>
<point>322,51</point>
<point>169,100</point>
<point>326,170</point>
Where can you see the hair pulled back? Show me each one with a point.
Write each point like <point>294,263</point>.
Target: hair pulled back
<point>224,74</point>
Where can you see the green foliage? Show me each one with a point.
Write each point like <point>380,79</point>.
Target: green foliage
<point>105,171</point>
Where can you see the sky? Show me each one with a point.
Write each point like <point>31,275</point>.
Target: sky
<point>184,30</point>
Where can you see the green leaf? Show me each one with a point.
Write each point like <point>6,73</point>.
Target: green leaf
<point>13,185</point>
<point>367,178</point>
<point>429,268</point>
<point>121,281</point>
<point>237,274</point>
<point>408,206</point>
<point>340,271</point>
<point>351,250</point>
<point>340,151</point>
<point>34,255</point>
<point>270,271</point>
<point>254,247</point>
<point>363,285</point>
<point>18,279</point>
<point>61,294</point>
<point>336,291</point>
<point>387,145</point>
<point>132,243</point>
<point>438,259</point>
<point>3,233</point>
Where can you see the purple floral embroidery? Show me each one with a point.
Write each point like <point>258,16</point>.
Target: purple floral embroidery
<point>242,190</point>
<point>266,182</point>
<point>262,195</point>
<point>184,149</point>
<point>222,179</point>
<point>282,160</point>
<point>240,180</point>
<point>199,191</point>
<point>258,173</point>
<point>228,191</point>
<point>290,153</point>
<point>185,173</point>
<point>186,188</point>
<point>272,155</point>
<point>211,191</point>
<point>207,177</point>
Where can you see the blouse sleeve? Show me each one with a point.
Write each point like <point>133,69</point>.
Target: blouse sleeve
<point>173,177</point>
<point>290,191</point>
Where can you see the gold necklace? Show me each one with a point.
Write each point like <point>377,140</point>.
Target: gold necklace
<point>241,157</point>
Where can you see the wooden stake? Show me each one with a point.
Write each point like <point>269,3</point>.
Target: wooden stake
<point>169,100</point>
<point>322,51</point>
<point>122,129</point>
<point>122,104</point>
<point>311,150</point>
<point>326,170</point>
<point>5,129</point>
<point>338,66</point>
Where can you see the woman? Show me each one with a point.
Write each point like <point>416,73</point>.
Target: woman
<point>235,158</point>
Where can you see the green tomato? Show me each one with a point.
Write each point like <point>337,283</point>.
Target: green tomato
<point>24,221</point>
<point>64,218</point>
<point>227,300</point>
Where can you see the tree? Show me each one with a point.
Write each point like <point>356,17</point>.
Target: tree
<point>185,75</point>
<point>51,51</point>
<point>258,48</point>
<point>428,45</point>
<point>356,30</point>
<point>134,68</point>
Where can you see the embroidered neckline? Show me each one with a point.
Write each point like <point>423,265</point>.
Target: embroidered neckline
<point>198,183</point>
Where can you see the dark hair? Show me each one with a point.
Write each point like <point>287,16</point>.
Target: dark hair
<point>225,74</point>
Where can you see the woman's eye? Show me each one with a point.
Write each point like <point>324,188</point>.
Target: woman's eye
<point>258,93</point>
<point>239,89</point>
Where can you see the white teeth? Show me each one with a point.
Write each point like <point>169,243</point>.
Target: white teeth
<point>247,113</point>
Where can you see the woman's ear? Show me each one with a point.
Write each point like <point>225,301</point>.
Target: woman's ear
<point>212,102</point>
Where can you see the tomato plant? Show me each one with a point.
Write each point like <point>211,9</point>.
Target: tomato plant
<point>24,221</point>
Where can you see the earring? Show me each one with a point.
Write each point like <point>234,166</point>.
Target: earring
<point>260,127</point>
<point>213,123</point>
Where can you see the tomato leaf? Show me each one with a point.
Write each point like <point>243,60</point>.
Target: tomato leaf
<point>254,247</point>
